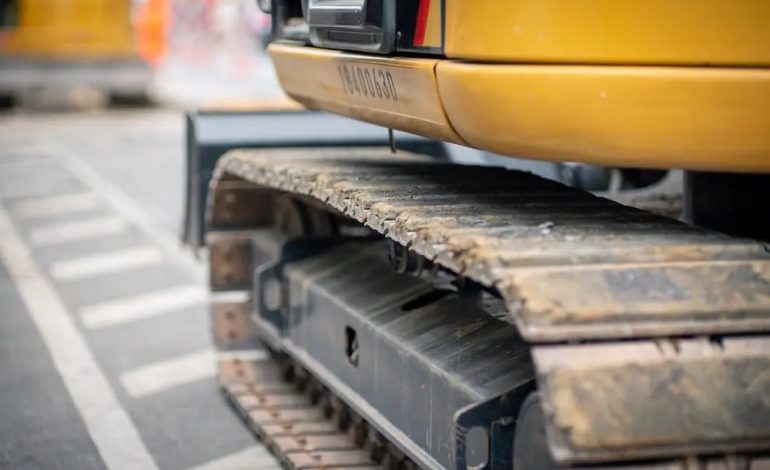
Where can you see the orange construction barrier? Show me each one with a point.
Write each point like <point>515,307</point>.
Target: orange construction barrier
<point>152,21</point>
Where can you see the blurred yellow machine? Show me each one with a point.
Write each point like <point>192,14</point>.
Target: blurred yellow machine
<point>419,312</point>
<point>105,44</point>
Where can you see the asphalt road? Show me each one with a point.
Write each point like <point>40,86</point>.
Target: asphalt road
<point>105,358</point>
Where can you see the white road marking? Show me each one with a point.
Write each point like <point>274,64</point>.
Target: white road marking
<point>163,375</point>
<point>130,309</point>
<point>251,458</point>
<point>108,424</point>
<point>232,296</point>
<point>243,355</point>
<point>106,263</point>
<point>132,211</point>
<point>55,205</point>
<point>85,229</point>
<point>160,376</point>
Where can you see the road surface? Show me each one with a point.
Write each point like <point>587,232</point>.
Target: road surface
<point>105,358</point>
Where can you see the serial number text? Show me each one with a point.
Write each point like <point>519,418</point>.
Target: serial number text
<point>371,82</point>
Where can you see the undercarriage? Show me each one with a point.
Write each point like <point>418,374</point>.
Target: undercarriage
<point>381,310</point>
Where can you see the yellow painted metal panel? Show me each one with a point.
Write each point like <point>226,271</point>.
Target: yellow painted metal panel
<point>400,93</point>
<point>434,24</point>
<point>71,29</point>
<point>696,32</point>
<point>680,117</point>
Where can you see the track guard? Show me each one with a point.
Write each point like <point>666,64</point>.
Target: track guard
<point>210,134</point>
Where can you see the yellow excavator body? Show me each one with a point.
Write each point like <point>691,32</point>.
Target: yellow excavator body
<point>651,84</point>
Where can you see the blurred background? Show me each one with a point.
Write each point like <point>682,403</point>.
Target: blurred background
<point>92,183</point>
<point>169,52</point>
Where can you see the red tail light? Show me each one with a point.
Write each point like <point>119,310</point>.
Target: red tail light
<point>422,23</point>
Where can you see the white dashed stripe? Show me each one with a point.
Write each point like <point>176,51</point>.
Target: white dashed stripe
<point>251,458</point>
<point>56,205</point>
<point>130,309</point>
<point>132,211</point>
<point>163,375</point>
<point>78,230</point>
<point>105,263</point>
<point>243,355</point>
<point>231,296</point>
<point>108,424</point>
<point>160,376</point>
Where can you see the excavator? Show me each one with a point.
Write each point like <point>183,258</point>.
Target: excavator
<point>381,304</point>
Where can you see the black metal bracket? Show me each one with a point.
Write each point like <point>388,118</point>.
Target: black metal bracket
<point>272,292</point>
<point>497,416</point>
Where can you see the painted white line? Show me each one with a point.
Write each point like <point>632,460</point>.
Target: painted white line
<point>132,211</point>
<point>243,355</point>
<point>55,205</point>
<point>232,296</point>
<point>108,424</point>
<point>106,263</point>
<point>130,309</point>
<point>164,375</point>
<point>86,229</point>
<point>251,458</point>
